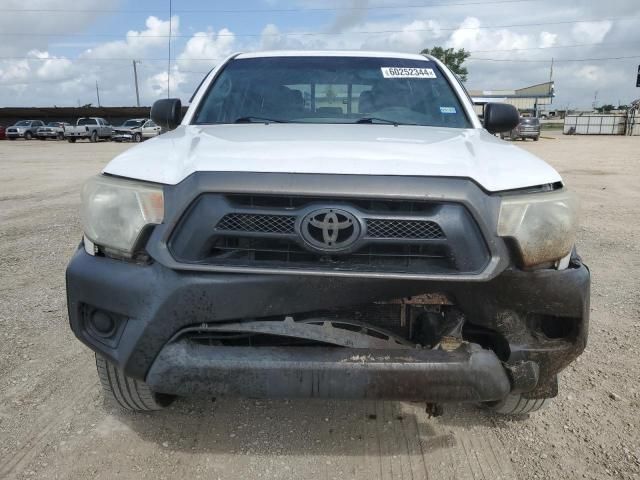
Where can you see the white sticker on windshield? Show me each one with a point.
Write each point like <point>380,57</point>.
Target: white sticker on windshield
<point>407,72</point>
<point>447,109</point>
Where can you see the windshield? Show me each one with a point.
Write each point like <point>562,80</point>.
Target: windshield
<point>53,124</point>
<point>24,123</point>
<point>133,123</point>
<point>332,90</point>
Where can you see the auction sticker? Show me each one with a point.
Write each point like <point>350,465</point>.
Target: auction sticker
<point>407,72</point>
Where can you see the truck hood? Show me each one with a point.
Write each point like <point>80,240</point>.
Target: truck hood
<point>334,149</point>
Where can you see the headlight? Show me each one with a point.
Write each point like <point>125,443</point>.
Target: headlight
<point>543,225</point>
<point>115,211</point>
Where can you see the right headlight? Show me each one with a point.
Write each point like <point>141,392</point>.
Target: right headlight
<point>115,211</point>
<point>542,225</point>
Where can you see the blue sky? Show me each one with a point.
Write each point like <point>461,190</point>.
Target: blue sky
<point>55,58</point>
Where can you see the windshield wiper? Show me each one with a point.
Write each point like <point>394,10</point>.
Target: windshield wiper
<point>376,119</point>
<point>252,119</point>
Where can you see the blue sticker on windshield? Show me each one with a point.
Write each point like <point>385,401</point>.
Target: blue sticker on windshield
<point>447,109</point>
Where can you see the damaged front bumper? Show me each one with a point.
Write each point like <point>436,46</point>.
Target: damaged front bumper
<point>520,330</point>
<point>467,374</point>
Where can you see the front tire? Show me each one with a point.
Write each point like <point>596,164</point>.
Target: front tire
<point>137,138</point>
<point>28,136</point>
<point>516,404</point>
<point>71,140</point>
<point>94,137</point>
<point>128,393</point>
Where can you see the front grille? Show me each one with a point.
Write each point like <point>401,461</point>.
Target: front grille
<point>410,229</point>
<point>255,223</point>
<point>389,229</point>
<point>266,232</point>
<point>247,252</point>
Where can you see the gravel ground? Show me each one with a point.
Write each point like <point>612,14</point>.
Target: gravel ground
<point>53,423</point>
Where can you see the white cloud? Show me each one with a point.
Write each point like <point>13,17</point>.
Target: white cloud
<point>412,37</point>
<point>471,36</point>
<point>158,82</point>
<point>137,43</point>
<point>55,69</point>
<point>205,49</point>
<point>591,32</point>
<point>548,39</point>
<point>16,71</point>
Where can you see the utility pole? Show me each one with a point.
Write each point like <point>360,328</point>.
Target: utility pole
<point>135,76</point>
<point>98,93</point>
<point>550,75</point>
<point>169,57</point>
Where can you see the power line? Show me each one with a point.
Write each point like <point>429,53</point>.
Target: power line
<point>556,60</point>
<point>293,34</point>
<point>550,47</point>
<point>269,10</point>
<point>128,59</point>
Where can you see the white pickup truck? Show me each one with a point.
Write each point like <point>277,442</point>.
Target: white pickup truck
<point>330,225</point>
<point>89,128</point>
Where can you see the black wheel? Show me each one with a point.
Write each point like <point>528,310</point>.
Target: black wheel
<point>516,404</point>
<point>28,135</point>
<point>128,393</point>
<point>535,139</point>
<point>71,140</point>
<point>60,136</point>
<point>94,137</point>
<point>137,138</point>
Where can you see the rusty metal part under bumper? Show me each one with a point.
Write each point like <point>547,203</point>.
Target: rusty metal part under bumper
<point>467,374</point>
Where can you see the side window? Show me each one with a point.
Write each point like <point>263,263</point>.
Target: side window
<point>151,123</point>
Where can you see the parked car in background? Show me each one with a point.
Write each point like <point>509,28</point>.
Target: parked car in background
<point>529,127</point>
<point>89,128</point>
<point>135,130</point>
<point>2,132</point>
<point>24,129</point>
<point>52,130</point>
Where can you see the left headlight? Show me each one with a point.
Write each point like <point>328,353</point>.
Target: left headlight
<point>115,211</point>
<point>542,225</point>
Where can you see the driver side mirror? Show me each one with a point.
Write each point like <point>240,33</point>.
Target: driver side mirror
<point>500,117</point>
<point>167,113</point>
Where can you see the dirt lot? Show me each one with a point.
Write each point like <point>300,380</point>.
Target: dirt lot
<point>53,423</point>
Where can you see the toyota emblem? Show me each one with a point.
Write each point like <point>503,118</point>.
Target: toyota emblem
<point>330,229</point>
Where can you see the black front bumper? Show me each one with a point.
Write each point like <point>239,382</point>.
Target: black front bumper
<point>468,374</point>
<point>151,303</point>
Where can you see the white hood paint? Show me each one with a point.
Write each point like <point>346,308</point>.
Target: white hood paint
<point>334,149</point>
